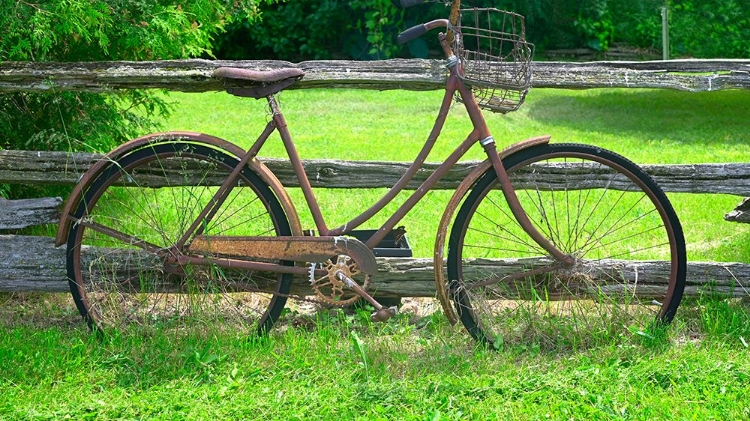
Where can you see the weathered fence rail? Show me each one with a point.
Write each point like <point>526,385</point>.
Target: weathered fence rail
<point>34,167</point>
<point>33,264</point>
<point>412,74</point>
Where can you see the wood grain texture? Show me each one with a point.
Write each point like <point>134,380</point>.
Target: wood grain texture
<point>34,264</point>
<point>741,213</point>
<point>31,167</point>
<point>18,214</point>
<point>410,74</point>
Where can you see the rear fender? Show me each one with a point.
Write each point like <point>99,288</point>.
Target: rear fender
<point>156,138</point>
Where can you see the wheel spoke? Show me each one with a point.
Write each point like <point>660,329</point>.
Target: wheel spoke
<point>137,212</point>
<point>500,286</point>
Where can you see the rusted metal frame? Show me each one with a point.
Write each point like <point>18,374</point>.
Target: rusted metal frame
<point>408,175</point>
<point>243,264</point>
<point>294,248</point>
<point>450,88</point>
<point>255,148</point>
<point>450,209</point>
<point>209,211</point>
<point>480,130</point>
<point>517,210</point>
<point>297,167</point>
<point>472,108</point>
<point>423,189</point>
<point>488,143</point>
<point>128,239</point>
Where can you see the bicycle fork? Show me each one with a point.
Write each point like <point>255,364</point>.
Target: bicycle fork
<point>515,206</point>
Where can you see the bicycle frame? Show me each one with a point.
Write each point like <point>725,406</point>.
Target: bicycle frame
<point>181,231</point>
<point>480,132</point>
<point>304,248</point>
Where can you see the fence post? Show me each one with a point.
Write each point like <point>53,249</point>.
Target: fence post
<point>665,32</point>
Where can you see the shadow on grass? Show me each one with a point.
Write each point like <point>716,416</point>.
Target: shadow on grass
<point>405,346</point>
<point>707,118</point>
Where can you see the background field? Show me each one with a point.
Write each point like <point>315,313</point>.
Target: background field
<point>647,126</point>
<point>336,365</point>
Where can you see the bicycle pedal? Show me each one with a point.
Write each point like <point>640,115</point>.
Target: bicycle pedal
<point>384,314</point>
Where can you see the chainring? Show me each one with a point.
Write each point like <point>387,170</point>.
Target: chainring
<point>331,290</point>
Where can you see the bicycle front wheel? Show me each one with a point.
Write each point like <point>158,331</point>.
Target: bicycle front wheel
<point>595,206</point>
<point>123,248</point>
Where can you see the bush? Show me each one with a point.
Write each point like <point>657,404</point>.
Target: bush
<point>710,29</point>
<point>332,29</point>
<point>367,29</point>
<point>84,30</point>
<point>316,29</point>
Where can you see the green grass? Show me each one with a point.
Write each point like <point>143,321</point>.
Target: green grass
<point>340,366</point>
<point>647,126</point>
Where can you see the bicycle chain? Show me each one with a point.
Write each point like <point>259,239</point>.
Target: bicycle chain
<point>301,298</point>
<point>343,264</point>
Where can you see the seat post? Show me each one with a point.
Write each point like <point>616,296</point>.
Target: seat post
<point>275,109</point>
<point>298,168</point>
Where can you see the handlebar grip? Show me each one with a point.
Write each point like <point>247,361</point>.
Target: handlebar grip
<point>411,33</point>
<point>410,3</point>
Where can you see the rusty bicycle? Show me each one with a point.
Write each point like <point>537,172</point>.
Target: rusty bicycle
<point>177,225</point>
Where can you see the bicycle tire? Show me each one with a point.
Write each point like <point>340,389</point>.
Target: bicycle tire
<point>594,205</point>
<point>152,194</point>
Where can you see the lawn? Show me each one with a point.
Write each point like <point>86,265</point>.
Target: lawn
<point>647,126</point>
<point>338,365</point>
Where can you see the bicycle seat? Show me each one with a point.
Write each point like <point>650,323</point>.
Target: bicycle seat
<point>257,83</point>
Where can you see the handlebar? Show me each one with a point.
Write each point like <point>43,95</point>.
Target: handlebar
<point>419,30</point>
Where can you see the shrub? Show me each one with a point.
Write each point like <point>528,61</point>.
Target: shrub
<point>367,29</point>
<point>710,29</point>
<point>84,30</point>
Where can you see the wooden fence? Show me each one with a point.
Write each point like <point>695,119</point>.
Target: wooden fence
<point>413,74</point>
<point>34,264</point>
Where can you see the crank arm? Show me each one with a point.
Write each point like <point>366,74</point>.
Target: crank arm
<point>381,313</point>
<point>298,249</point>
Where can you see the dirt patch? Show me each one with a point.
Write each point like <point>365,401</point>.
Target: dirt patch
<point>39,310</point>
<point>42,310</point>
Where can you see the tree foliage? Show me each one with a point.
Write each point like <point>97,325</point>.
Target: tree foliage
<point>367,29</point>
<point>710,28</point>
<point>84,30</point>
<point>316,29</point>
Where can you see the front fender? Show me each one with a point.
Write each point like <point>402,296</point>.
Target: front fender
<point>126,148</point>
<point>467,183</point>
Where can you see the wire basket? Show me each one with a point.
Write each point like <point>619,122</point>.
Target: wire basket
<point>495,57</point>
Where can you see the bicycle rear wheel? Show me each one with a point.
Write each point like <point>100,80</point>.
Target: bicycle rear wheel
<point>121,253</point>
<point>592,204</point>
